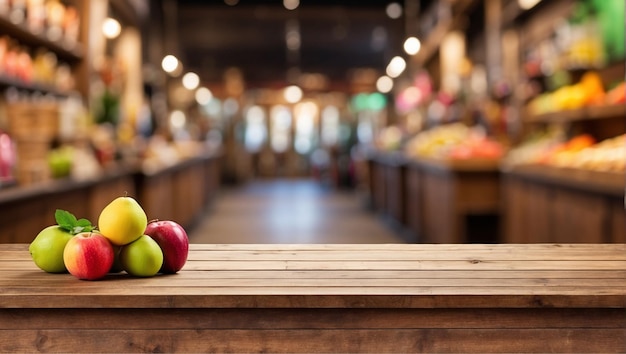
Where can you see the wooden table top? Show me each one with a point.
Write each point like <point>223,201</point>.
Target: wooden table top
<point>341,276</point>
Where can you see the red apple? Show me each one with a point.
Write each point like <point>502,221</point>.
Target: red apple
<point>173,241</point>
<point>88,255</point>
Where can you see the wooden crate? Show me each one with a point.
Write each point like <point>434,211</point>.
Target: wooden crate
<point>28,120</point>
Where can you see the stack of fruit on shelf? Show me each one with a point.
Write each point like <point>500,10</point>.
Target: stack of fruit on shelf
<point>454,142</point>
<point>580,152</point>
<point>607,155</point>
<point>534,148</point>
<point>123,241</point>
<point>589,91</point>
<point>39,67</point>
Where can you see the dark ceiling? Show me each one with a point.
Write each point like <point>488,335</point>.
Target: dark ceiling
<point>336,37</point>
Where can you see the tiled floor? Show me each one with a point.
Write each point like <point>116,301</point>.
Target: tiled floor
<point>289,211</point>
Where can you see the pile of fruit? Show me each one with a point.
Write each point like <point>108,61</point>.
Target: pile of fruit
<point>580,151</point>
<point>454,141</point>
<point>123,241</point>
<point>589,91</point>
<point>607,155</point>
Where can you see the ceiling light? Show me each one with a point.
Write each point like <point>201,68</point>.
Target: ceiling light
<point>527,4</point>
<point>293,94</point>
<point>191,81</point>
<point>412,45</point>
<point>291,4</point>
<point>394,10</point>
<point>203,96</point>
<point>111,28</point>
<point>384,84</point>
<point>231,2</point>
<point>396,67</point>
<point>169,63</point>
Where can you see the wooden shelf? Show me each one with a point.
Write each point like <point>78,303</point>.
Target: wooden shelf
<point>583,114</point>
<point>69,51</point>
<point>613,183</point>
<point>6,82</point>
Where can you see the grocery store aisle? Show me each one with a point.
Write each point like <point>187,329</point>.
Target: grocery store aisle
<point>289,211</point>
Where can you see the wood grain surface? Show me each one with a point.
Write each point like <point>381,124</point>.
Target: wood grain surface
<point>329,298</point>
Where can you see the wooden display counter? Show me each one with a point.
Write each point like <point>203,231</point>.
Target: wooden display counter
<point>390,181</point>
<point>447,193</point>
<point>439,201</point>
<point>550,204</point>
<point>25,211</point>
<point>179,193</point>
<point>329,298</point>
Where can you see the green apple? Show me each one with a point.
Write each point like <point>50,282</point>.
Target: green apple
<point>47,249</point>
<point>142,257</point>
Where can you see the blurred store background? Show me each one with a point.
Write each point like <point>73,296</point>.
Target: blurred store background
<point>454,120</point>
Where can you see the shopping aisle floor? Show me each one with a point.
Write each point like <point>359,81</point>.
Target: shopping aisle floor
<point>289,211</point>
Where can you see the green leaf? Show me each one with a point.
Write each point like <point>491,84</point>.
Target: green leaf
<point>65,219</point>
<point>68,222</point>
<point>83,222</point>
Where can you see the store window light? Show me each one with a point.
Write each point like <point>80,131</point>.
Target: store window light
<point>412,45</point>
<point>280,136</point>
<point>169,63</point>
<point>111,28</point>
<point>384,84</point>
<point>330,126</point>
<point>306,118</point>
<point>191,81</point>
<point>394,10</point>
<point>203,96</point>
<point>396,67</point>
<point>256,129</point>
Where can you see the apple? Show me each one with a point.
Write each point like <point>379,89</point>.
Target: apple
<point>173,241</point>
<point>88,255</point>
<point>142,257</point>
<point>47,249</point>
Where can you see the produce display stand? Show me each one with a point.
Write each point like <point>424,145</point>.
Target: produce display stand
<point>390,176</point>
<point>328,298</point>
<point>447,192</point>
<point>179,192</point>
<point>554,204</point>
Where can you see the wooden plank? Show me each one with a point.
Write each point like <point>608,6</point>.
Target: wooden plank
<point>516,248</point>
<point>484,291</point>
<point>473,264</point>
<point>39,276</point>
<point>239,298</point>
<point>408,265</point>
<point>370,255</point>
<point>278,281</point>
<point>314,340</point>
<point>220,318</point>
